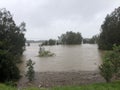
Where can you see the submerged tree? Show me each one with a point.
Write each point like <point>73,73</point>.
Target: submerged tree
<point>49,42</point>
<point>71,38</point>
<point>45,53</point>
<point>110,31</point>
<point>12,44</point>
<point>52,42</point>
<point>92,40</point>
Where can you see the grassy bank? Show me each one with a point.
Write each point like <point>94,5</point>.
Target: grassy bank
<point>100,86</point>
<point>5,87</point>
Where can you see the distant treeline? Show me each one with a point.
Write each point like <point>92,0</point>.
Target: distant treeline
<point>67,38</point>
<point>50,42</point>
<point>109,35</point>
<point>93,40</point>
<point>34,41</point>
<point>70,38</point>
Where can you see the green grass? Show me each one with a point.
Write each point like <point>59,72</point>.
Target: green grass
<point>34,89</point>
<point>4,87</point>
<point>100,86</point>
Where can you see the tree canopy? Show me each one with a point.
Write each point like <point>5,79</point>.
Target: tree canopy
<point>110,31</point>
<point>49,42</point>
<point>71,38</point>
<point>92,40</point>
<point>12,44</point>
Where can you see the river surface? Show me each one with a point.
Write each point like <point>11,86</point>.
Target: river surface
<point>85,57</point>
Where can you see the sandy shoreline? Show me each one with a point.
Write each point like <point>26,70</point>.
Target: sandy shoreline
<point>49,79</point>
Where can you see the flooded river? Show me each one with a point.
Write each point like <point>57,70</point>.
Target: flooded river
<point>85,57</point>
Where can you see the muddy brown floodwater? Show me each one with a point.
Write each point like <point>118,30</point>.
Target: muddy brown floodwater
<point>71,63</point>
<point>84,57</point>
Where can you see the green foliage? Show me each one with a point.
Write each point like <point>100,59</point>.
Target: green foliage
<point>71,38</point>
<point>49,42</point>
<point>110,31</point>
<point>89,41</point>
<point>111,63</point>
<point>30,73</point>
<point>107,71</point>
<point>52,42</point>
<point>5,87</point>
<point>44,53</point>
<point>45,43</point>
<point>92,40</point>
<point>8,68</point>
<point>11,83</point>
<point>114,57</point>
<point>12,44</point>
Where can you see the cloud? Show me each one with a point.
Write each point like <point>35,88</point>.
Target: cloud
<point>49,18</point>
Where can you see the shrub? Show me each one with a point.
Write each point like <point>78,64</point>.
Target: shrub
<point>111,64</point>
<point>44,53</point>
<point>106,70</point>
<point>30,73</point>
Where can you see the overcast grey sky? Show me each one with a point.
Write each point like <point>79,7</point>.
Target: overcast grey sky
<point>50,18</point>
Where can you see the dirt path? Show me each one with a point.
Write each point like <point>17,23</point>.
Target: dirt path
<point>49,79</point>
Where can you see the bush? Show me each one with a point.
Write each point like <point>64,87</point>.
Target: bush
<point>8,69</point>
<point>52,42</point>
<point>106,70</point>
<point>111,64</point>
<point>30,73</point>
<point>11,83</point>
<point>44,53</point>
